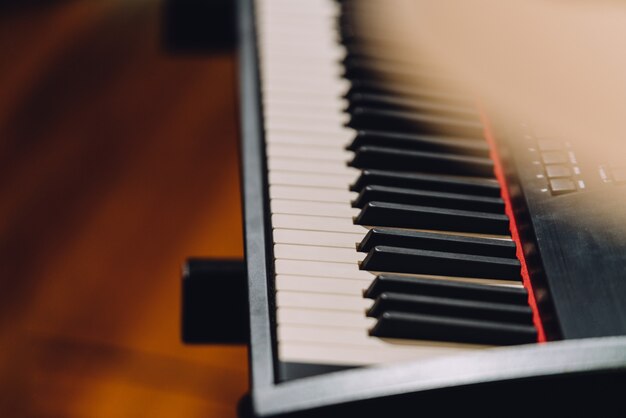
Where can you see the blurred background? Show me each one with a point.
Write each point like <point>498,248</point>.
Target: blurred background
<point>117,161</point>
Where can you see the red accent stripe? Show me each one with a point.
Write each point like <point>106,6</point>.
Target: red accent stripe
<point>499,172</point>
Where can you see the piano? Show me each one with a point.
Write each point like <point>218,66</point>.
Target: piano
<point>404,252</point>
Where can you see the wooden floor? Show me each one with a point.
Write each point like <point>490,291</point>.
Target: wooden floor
<point>117,161</point>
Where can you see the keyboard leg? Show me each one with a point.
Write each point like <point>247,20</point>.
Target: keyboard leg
<point>214,302</point>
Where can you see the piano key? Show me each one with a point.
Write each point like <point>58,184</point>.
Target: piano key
<point>403,121</point>
<point>466,146</point>
<point>298,207</point>
<point>281,64</point>
<point>438,182</point>
<point>324,318</point>
<point>418,326</point>
<point>307,138</point>
<point>287,178</point>
<point>321,269</point>
<point>320,238</point>
<point>330,87</point>
<point>375,50</point>
<point>326,115</point>
<point>278,66</point>
<point>428,198</point>
<point>312,58</point>
<point>290,90</point>
<point>312,284</point>
<point>310,166</point>
<point>394,102</point>
<point>303,126</point>
<point>471,280</point>
<point>290,103</point>
<point>310,352</point>
<point>420,93</point>
<point>308,152</point>
<point>374,157</point>
<point>310,13</point>
<point>452,307</point>
<point>308,300</point>
<point>490,247</point>
<point>359,68</point>
<point>446,288</point>
<point>358,338</point>
<point>315,194</point>
<point>319,40</point>
<point>404,260</point>
<point>317,253</point>
<point>422,217</point>
<point>316,223</point>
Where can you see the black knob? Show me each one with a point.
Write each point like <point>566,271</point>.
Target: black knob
<point>214,301</point>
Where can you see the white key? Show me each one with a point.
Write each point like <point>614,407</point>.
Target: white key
<point>286,178</point>
<point>325,301</point>
<point>319,284</point>
<point>317,253</point>
<point>298,207</point>
<point>303,139</point>
<point>325,116</point>
<point>309,152</point>
<point>358,338</point>
<point>314,194</point>
<point>310,352</point>
<point>304,125</point>
<point>322,269</point>
<point>324,318</point>
<point>322,238</point>
<point>309,166</point>
<point>316,223</point>
<point>285,105</point>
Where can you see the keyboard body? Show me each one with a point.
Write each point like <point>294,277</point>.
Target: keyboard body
<point>587,369</point>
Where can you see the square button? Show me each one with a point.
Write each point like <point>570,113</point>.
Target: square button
<point>549,145</point>
<point>619,175</point>
<point>554,157</point>
<point>557,171</point>
<point>562,186</point>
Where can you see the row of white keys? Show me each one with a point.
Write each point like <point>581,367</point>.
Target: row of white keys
<point>321,311</point>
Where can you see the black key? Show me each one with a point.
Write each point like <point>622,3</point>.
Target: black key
<point>415,285</point>
<point>428,198</point>
<point>453,184</point>
<point>465,146</point>
<point>422,217</point>
<point>401,89</point>
<point>432,327</point>
<point>405,121</point>
<point>379,51</point>
<point>490,247</point>
<point>411,261</point>
<point>420,161</point>
<point>395,102</point>
<point>359,68</point>
<point>460,308</point>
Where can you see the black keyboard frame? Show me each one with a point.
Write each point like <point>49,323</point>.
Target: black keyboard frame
<point>565,375</point>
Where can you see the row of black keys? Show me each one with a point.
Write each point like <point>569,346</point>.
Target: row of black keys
<point>413,177</point>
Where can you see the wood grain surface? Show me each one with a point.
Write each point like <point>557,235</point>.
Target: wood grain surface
<point>117,161</point>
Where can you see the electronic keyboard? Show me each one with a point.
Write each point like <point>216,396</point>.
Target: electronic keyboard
<point>404,251</point>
